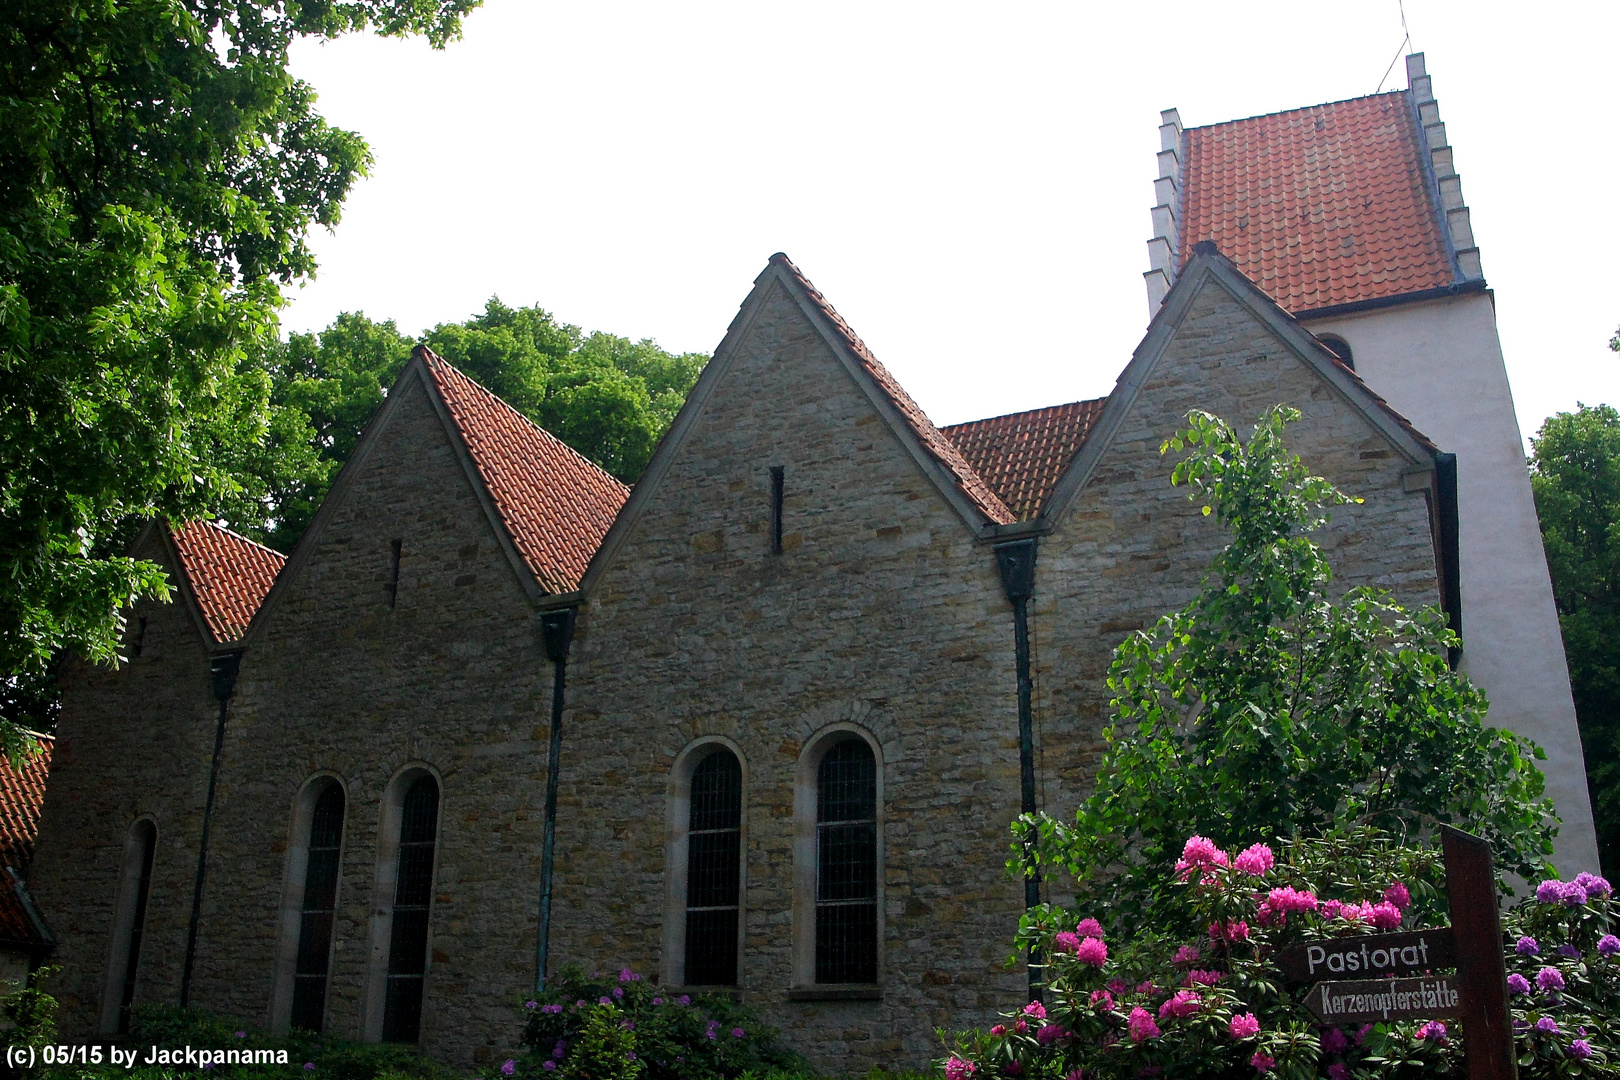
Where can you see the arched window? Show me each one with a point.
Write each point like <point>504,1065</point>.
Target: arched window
<point>1340,348</point>
<point>408,925</point>
<point>318,909</point>
<point>129,926</point>
<point>714,840</point>
<point>846,864</point>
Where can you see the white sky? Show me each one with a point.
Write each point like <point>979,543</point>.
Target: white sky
<point>968,184</point>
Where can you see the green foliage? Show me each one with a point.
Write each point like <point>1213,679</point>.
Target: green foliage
<point>607,397</point>
<point>30,1011</point>
<point>159,172</point>
<point>1265,708</point>
<point>708,1037</point>
<point>1163,1000</point>
<point>1575,473</point>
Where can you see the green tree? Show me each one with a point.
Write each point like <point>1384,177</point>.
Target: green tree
<point>1575,473</point>
<point>1265,709</point>
<point>159,174</point>
<point>608,397</point>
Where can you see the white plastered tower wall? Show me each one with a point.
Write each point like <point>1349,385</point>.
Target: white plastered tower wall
<point>1439,362</point>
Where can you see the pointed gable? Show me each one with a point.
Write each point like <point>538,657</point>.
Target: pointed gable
<point>971,484</point>
<point>1022,455</point>
<point>1320,206</point>
<point>228,575</point>
<point>554,502</point>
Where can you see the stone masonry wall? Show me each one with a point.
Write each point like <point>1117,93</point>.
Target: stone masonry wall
<point>882,610</point>
<point>1133,548</point>
<point>131,741</point>
<point>451,677</point>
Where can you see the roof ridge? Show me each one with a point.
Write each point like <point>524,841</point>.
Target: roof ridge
<point>968,481</point>
<point>1022,412</point>
<point>237,536</point>
<point>1295,109</point>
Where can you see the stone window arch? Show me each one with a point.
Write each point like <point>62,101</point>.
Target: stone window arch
<point>129,924</point>
<point>838,863</point>
<point>401,955</point>
<point>309,905</point>
<point>706,826</point>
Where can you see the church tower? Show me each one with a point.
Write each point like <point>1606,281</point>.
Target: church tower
<point>1350,216</point>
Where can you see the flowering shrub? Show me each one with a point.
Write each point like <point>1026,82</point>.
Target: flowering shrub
<point>619,1025</point>
<point>1215,1003</point>
<point>1270,707</point>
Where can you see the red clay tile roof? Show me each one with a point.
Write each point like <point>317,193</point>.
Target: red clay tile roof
<point>980,494</point>
<point>1022,455</point>
<point>555,503</point>
<point>229,575</point>
<point>1319,206</point>
<point>22,791</point>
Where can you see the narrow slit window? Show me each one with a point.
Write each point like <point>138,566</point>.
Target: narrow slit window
<point>146,839</point>
<point>846,865</point>
<point>713,855</point>
<point>319,910</point>
<point>413,893</point>
<point>393,573</point>
<point>778,475</point>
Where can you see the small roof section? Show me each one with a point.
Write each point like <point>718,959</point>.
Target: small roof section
<point>1022,455</point>
<point>1320,206</point>
<point>22,793</point>
<point>980,494</point>
<point>554,502</point>
<point>227,573</point>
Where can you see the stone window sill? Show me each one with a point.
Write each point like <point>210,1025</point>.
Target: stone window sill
<point>732,992</point>
<point>837,992</point>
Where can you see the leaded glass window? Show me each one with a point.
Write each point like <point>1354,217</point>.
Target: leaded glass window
<point>846,865</point>
<point>319,909</point>
<point>713,846</point>
<point>413,892</point>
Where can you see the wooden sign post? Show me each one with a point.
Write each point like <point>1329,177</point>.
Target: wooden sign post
<point>1477,994</point>
<point>1476,923</point>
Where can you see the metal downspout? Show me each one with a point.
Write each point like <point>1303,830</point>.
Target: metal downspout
<point>224,668</point>
<point>557,631</point>
<point>1017,564</point>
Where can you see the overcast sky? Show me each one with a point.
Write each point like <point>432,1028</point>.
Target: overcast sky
<point>968,184</point>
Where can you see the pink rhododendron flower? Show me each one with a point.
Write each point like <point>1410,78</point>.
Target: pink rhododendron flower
<point>1550,979</point>
<point>1035,1009</point>
<point>1199,854</point>
<point>1385,915</point>
<point>1145,987</point>
<point>1116,986</point>
<point>1014,1068</point>
<point>1399,895</point>
<point>1089,928</point>
<point>1050,1034</point>
<point>1527,946</point>
<point>1262,1061</point>
<point>957,1069</point>
<point>1594,885</point>
<point>1244,1026</point>
<point>1020,1027</point>
<point>1608,945</point>
<point>1334,1041</point>
<point>1288,899</point>
<point>1182,1003</point>
<point>1102,999</point>
<point>999,1029</point>
<point>1196,977</point>
<point>1256,860</point>
<point>1092,951</point>
<point>1518,984</point>
<point>1187,954</point>
<point>1065,942</point>
<point>1338,1071</point>
<point>1141,1025</point>
<point>1330,909</point>
<point>1235,930</point>
<point>1434,1031</point>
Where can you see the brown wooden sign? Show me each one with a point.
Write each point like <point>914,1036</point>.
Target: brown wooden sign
<point>1481,970</point>
<point>1411,953</point>
<point>1382,1000</point>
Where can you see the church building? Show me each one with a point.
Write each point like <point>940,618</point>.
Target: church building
<point>762,721</point>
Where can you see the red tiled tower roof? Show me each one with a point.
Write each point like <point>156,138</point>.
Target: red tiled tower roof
<point>228,574</point>
<point>555,503</point>
<point>980,494</point>
<point>1319,206</point>
<point>1022,455</point>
